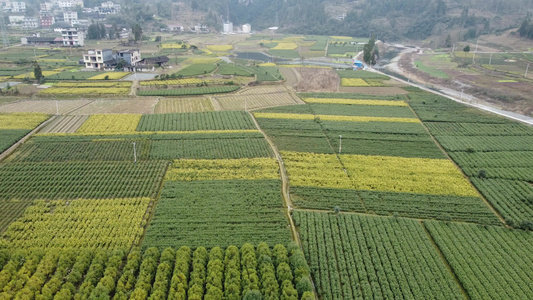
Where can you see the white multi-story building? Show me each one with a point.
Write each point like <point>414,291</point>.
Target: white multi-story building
<point>31,23</point>
<point>69,3</point>
<point>97,58</point>
<point>227,27</point>
<point>72,37</point>
<point>14,7</point>
<point>16,20</point>
<point>70,17</point>
<point>246,28</point>
<point>47,6</point>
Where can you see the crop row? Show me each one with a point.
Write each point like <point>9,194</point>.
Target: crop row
<point>486,143</point>
<point>71,180</point>
<point>80,223</point>
<point>194,81</point>
<point>355,101</point>
<point>247,102</point>
<point>217,212</point>
<point>213,147</point>
<point>85,91</point>
<point>361,257</point>
<point>219,48</point>
<point>190,91</point>
<point>8,137</point>
<point>124,84</point>
<point>381,111</point>
<point>220,120</point>
<point>361,74</point>
<point>222,169</point>
<point>230,273</point>
<point>353,82</point>
<point>490,262</point>
<point>333,118</point>
<point>197,69</point>
<point>479,129</point>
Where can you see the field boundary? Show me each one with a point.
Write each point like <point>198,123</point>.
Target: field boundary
<point>445,261</point>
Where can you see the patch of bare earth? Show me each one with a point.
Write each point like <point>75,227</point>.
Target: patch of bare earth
<point>145,106</point>
<point>316,80</point>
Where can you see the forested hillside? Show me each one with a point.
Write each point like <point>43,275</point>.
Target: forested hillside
<point>388,19</point>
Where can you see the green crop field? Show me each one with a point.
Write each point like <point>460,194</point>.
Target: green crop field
<point>186,187</point>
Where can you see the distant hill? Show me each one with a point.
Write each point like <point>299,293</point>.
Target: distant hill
<point>388,19</point>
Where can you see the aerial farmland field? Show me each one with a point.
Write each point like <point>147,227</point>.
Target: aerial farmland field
<point>227,178</point>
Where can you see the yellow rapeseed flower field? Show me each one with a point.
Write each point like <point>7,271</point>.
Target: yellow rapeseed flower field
<point>353,82</point>
<point>285,46</point>
<point>219,48</point>
<point>102,124</point>
<point>356,101</point>
<point>407,175</point>
<point>21,120</point>
<point>80,223</point>
<point>222,169</point>
<point>110,75</point>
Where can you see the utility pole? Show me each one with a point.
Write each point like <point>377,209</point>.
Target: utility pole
<point>57,108</point>
<point>490,59</point>
<point>134,153</point>
<point>527,68</point>
<point>340,144</point>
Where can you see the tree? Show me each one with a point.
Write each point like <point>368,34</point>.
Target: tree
<point>102,30</point>
<point>370,51</point>
<point>37,72</point>
<point>137,32</point>
<point>466,49</point>
<point>93,32</point>
<point>448,41</point>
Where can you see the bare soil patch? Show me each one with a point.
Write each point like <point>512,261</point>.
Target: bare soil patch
<point>316,80</point>
<point>145,106</point>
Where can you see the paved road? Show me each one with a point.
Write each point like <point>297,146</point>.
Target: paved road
<point>452,94</point>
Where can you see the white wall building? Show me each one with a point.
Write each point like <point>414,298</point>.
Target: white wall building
<point>70,17</point>
<point>47,6</point>
<point>31,23</point>
<point>69,3</point>
<point>13,20</point>
<point>246,28</point>
<point>14,7</point>
<point>72,37</point>
<point>227,27</point>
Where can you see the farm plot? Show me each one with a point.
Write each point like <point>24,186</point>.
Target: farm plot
<point>110,124</point>
<point>144,106</point>
<point>478,129</point>
<point>81,75</point>
<point>43,106</point>
<point>362,257</point>
<point>73,92</point>
<point>407,175</point>
<point>233,69</point>
<point>388,111</point>
<point>218,213</point>
<point>193,81</point>
<point>15,126</point>
<point>512,198</point>
<point>181,273</point>
<point>80,223</point>
<point>223,169</point>
<point>296,135</point>
<point>433,108</point>
<point>64,124</point>
<point>183,105</point>
<point>334,118</point>
<point>189,91</point>
<point>216,147</point>
<point>109,75</point>
<point>490,262</point>
<point>223,120</point>
<point>256,99</point>
<point>72,180</point>
<point>197,69</point>
<point>66,150</point>
<point>8,137</point>
<point>366,102</point>
<point>486,143</point>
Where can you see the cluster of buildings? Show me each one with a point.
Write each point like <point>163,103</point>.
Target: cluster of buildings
<point>70,37</point>
<point>130,60</point>
<point>65,11</point>
<point>227,28</point>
